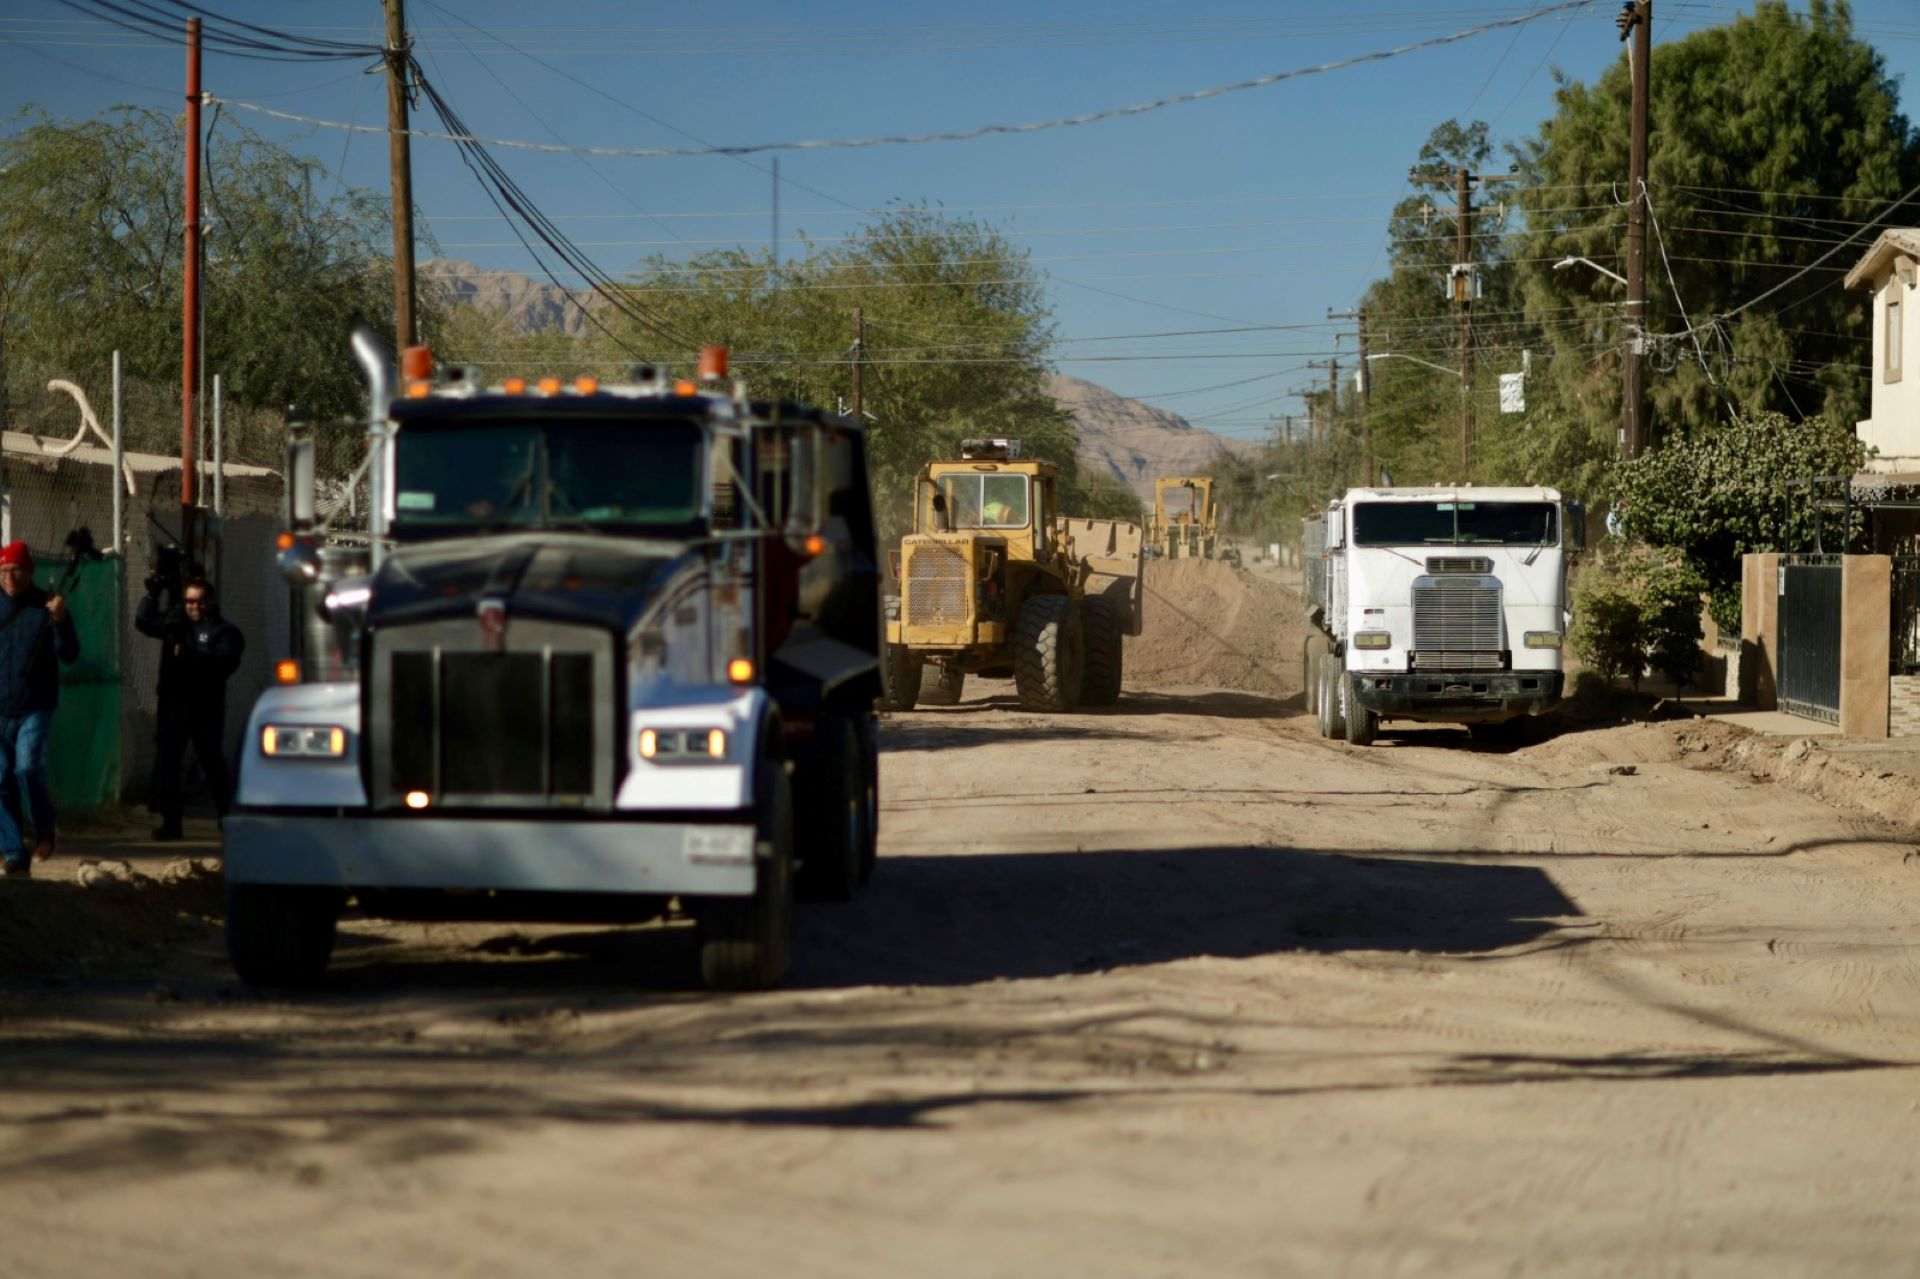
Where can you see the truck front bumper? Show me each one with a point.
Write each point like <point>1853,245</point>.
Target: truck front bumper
<point>1459,697</point>
<point>564,855</point>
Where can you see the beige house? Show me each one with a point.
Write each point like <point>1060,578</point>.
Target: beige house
<point>1891,269</point>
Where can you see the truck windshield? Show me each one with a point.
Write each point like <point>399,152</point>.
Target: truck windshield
<point>986,501</point>
<point>533,474</point>
<point>1460,523</point>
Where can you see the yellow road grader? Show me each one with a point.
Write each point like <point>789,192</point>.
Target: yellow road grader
<point>1186,520</point>
<point>994,581</point>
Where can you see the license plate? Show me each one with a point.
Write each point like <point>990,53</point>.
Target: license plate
<point>718,845</point>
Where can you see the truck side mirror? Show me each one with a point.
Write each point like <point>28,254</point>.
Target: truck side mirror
<point>1576,538</point>
<point>1336,528</point>
<point>301,470</point>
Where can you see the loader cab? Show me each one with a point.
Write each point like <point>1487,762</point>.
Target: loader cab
<point>992,495</point>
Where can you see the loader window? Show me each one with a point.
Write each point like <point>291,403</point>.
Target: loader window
<point>986,501</point>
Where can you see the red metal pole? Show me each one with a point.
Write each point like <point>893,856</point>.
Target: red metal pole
<point>190,318</point>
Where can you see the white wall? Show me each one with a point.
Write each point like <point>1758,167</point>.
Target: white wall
<point>1894,427</point>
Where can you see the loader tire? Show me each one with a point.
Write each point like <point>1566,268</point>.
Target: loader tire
<point>1362,724</point>
<point>901,670</point>
<point>833,813</point>
<point>280,935</point>
<point>945,686</point>
<point>1049,654</point>
<point>746,942</point>
<point>1100,679</point>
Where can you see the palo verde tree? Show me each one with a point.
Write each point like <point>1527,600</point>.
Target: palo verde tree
<point>91,246</point>
<point>1774,136</point>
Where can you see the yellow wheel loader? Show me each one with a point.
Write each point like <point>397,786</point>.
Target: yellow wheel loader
<point>994,581</point>
<point>1186,521</point>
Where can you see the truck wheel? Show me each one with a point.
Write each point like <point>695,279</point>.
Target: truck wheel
<point>280,935</point>
<point>832,826</point>
<point>1100,621</point>
<point>1331,690</point>
<point>745,942</point>
<point>900,677</point>
<point>1049,654</point>
<point>1362,724</point>
<point>944,688</point>
<point>1310,651</point>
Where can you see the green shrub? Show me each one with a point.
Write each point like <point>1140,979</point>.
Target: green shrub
<point>1607,627</point>
<point>1639,611</point>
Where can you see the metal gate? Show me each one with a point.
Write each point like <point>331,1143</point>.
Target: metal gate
<point>1810,636</point>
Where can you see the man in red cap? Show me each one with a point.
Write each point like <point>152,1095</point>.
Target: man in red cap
<point>36,633</point>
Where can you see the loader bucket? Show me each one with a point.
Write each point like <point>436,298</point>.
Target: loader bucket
<point>1112,553</point>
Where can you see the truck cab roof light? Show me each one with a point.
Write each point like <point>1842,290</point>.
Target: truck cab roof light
<point>419,390</point>
<point>684,387</point>
<point>416,363</point>
<point>514,386</point>
<point>713,363</point>
<point>549,386</point>
<point>586,385</point>
<point>740,670</point>
<point>286,671</point>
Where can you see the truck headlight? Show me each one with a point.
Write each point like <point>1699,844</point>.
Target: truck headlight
<point>1372,639</point>
<point>303,741</point>
<point>1543,639</point>
<point>684,745</point>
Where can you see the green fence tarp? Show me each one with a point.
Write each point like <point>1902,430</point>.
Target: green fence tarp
<point>83,750</point>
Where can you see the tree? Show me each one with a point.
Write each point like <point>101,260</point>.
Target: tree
<point>1723,494</point>
<point>956,333</point>
<point>1773,137</point>
<point>91,247</point>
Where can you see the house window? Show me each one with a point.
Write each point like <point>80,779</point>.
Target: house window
<point>1890,367</point>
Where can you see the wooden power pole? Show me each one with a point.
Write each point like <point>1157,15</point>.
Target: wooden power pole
<point>859,356</point>
<point>1636,22</point>
<point>1359,317</point>
<point>1462,285</point>
<point>190,295</point>
<point>400,158</point>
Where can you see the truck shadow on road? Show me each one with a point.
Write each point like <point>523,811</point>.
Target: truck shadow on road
<point>958,920</point>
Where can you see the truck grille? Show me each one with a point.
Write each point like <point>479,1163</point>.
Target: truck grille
<point>1457,624</point>
<point>530,726</point>
<point>937,586</point>
<point>1471,565</point>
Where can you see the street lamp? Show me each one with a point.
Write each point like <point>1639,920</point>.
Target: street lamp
<point>1569,260</point>
<point>1395,355</point>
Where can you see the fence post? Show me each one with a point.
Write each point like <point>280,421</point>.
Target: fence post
<point>119,482</point>
<point>1760,630</point>
<point>1866,601</point>
<point>219,454</point>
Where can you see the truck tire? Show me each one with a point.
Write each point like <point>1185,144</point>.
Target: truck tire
<point>830,829</point>
<point>1105,663</point>
<point>1049,654</point>
<point>1331,690</point>
<point>1322,704</point>
<point>746,942</point>
<point>280,935</point>
<point>900,677</point>
<point>1362,724</point>
<point>1310,651</point>
<point>945,686</point>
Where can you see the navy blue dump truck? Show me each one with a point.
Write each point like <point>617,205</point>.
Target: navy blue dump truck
<point>604,653</point>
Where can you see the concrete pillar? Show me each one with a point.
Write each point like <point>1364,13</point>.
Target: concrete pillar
<point>1866,588</point>
<point>1760,630</point>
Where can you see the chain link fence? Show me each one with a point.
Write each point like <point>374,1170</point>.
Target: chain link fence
<point>57,463</point>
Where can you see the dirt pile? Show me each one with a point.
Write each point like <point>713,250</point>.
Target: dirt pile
<point>107,918</point>
<point>1208,625</point>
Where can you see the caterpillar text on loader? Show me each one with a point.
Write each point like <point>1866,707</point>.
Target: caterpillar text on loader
<point>995,582</point>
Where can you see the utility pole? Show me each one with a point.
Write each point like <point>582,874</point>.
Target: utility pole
<point>1332,393</point>
<point>1636,21</point>
<point>400,159</point>
<point>190,294</point>
<point>859,357</point>
<point>1463,281</point>
<point>1359,317</point>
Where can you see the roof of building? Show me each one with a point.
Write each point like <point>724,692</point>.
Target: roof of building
<point>1893,241</point>
<point>27,447</point>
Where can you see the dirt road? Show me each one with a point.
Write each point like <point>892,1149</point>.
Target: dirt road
<point>1174,990</point>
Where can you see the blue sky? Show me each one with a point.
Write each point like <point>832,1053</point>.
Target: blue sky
<point>1264,207</point>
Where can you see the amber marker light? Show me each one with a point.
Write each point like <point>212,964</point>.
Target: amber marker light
<point>684,387</point>
<point>549,386</point>
<point>418,799</point>
<point>740,670</point>
<point>514,385</point>
<point>419,390</point>
<point>284,542</point>
<point>586,385</point>
<point>287,671</point>
<point>816,544</point>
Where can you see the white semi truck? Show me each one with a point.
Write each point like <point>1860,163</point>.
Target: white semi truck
<point>1438,605</point>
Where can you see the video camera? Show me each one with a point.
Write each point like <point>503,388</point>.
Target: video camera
<point>167,572</point>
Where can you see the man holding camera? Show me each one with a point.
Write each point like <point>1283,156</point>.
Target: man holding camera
<point>200,651</point>
<point>36,634</point>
